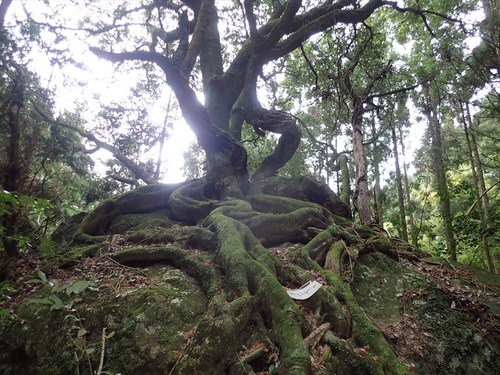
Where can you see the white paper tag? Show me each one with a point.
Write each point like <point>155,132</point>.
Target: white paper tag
<point>305,291</point>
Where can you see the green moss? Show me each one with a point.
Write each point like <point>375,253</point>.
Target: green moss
<point>379,284</point>
<point>364,332</point>
<point>75,253</point>
<point>174,256</point>
<point>124,223</point>
<point>150,325</point>
<point>486,277</point>
<point>244,274</point>
<point>333,257</point>
<point>459,347</point>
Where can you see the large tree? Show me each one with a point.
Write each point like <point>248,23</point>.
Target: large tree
<point>243,238</point>
<point>230,86</point>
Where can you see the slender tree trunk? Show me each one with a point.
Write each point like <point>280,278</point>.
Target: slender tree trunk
<point>399,184</point>
<point>345,192</point>
<point>413,227</point>
<point>362,192</point>
<point>439,170</point>
<point>479,184</point>
<point>377,208</point>
<point>156,175</point>
<point>12,179</point>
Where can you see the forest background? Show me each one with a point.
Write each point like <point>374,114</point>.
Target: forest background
<point>434,74</point>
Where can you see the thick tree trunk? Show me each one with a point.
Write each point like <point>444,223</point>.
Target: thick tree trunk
<point>4,7</point>
<point>439,170</point>
<point>399,184</point>
<point>362,192</point>
<point>377,207</point>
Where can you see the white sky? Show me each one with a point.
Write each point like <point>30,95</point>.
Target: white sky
<point>101,82</point>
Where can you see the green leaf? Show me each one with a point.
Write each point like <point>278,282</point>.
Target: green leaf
<point>77,287</point>
<point>4,313</point>
<point>109,335</point>
<point>90,350</point>
<point>42,301</point>
<point>42,276</point>
<point>70,316</point>
<point>81,332</point>
<point>57,303</point>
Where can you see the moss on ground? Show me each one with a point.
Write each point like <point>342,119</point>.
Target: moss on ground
<point>150,324</point>
<point>206,297</point>
<point>435,336</point>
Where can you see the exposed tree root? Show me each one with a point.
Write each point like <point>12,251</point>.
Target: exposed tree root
<point>248,302</point>
<point>144,199</point>
<point>175,256</point>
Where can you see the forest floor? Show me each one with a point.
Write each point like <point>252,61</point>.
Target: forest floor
<point>474,293</point>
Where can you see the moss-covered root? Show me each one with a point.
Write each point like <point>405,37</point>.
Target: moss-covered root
<point>304,188</point>
<point>177,257</point>
<point>143,199</point>
<point>188,203</point>
<point>251,290</point>
<point>297,222</point>
<point>380,357</point>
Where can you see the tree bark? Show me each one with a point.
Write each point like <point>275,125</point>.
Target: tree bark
<point>377,207</point>
<point>431,109</point>
<point>4,7</point>
<point>361,192</point>
<point>413,226</point>
<point>345,192</point>
<point>399,184</point>
<point>479,184</point>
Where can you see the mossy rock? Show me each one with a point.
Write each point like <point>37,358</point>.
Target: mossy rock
<point>434,335</point>
<point>150,324</point>
<point>379,284</point>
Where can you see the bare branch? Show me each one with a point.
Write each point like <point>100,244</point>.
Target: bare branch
<point>311,66</point>
<point>422,13</point>
<point>393,92</point>
<point>319,19</point>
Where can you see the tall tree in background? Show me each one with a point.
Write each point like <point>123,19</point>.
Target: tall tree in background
<point>399,178</point>
<point>402,116</point>
<point>431,110</point>
<point>44,169</point>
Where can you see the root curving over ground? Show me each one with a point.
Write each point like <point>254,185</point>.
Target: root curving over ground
<point>383,307</point>
<point>245,285</point>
